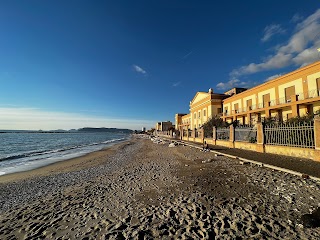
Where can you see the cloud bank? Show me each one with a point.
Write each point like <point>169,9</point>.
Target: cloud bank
<point>272,30</point>
<point>299,50</point>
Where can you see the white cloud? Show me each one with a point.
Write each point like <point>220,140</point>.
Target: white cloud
<point>300,49</point>
<point>139,69</point>
<point>306,57</point>
<point>273,77</point>
<point>272,30</point>
<point>296,18</point>
<point>35,119</point>
<point>276,61</point>
<point>176,84</point>
<point>233,83</point>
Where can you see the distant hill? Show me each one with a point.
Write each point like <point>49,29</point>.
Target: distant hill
<point>113,130</point>
<point>86,129</point>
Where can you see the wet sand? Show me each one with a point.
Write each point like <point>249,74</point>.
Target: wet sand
<point>144,190</point>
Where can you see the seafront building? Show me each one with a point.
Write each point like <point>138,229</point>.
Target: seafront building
<point>294,94</point>
<point>203,106</point>
<point>164,126</point>
<point>291,95</point>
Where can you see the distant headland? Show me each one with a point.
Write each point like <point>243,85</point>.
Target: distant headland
<point>80,130</point>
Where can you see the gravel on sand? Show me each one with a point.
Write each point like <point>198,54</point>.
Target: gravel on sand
<point>150,191</point>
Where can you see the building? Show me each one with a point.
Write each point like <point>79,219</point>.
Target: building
<point>178,119</point>
<point>234,91</point>
<point>203,106</point>
<point>143,129</point>
<point>294,94</point>
<point>164,126</point>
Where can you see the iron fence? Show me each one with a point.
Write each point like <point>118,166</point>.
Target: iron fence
<point>223,134</point>
<point>245,134</point>
<point>185,133</point>
<point>290,134</point>
<point>208,133</point>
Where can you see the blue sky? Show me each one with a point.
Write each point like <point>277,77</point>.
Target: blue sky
<point>72,64</point>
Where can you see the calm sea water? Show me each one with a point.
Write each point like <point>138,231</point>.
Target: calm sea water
<point>26,151</point>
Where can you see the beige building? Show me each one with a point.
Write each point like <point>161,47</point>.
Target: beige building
<point>164,126</point>
<point>294,94</point>
<point>203,106</point>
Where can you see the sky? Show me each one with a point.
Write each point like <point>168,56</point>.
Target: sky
<point>128,64</point>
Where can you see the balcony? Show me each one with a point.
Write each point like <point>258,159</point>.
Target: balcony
<point>275,103</point>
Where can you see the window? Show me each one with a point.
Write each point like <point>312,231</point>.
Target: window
<point>219,110</point>
<point>318,86</point>
<point>289,91</point>
<point>194,115</point>
<point>204,112</point>
<point>199,114</point>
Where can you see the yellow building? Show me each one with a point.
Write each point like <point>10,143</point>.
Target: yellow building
<point>294,94</point>
<point>203,106</point>
<point>164,126</point>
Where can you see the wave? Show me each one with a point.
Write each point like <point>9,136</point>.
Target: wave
<point>52,151</point>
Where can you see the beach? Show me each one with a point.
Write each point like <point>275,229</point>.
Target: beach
<point>141,190</point>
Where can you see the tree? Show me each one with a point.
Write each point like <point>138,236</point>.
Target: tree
<point>214,121</point>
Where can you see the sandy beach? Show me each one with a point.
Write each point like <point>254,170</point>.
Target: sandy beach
<point>142,190</point>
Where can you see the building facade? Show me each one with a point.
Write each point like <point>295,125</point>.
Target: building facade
<point>203,106</point>
<point>164,126</point>
<point>294,94</point>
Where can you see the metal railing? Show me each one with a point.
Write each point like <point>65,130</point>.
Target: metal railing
<point>275,102</point>
<point>223,134</point>
<point>199,134</point>
<point>292,135</point>
<point>245,134</point>
<point>310,94</point>
<point>185,133</point>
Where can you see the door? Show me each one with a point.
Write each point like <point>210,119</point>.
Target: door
<point>318,86</point>
<point>236,107</point>
<point>249,104</point>
<point>289,91</point>
<point>266,100</point>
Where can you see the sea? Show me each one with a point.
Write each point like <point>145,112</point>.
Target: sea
<point>26,151</point>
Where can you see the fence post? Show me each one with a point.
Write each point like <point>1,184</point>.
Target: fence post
<point>260,137</point>
<point>193,135</point>
<point>294,106</point>
<point>316,130</point>
<point>202,134</point>
<point>231,138</point>
<point>214,133</point>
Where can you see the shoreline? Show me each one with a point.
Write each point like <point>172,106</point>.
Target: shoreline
<point>66,165</point>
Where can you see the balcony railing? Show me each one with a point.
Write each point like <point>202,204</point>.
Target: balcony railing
<point>310,94</point>
<point>275,102</point>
